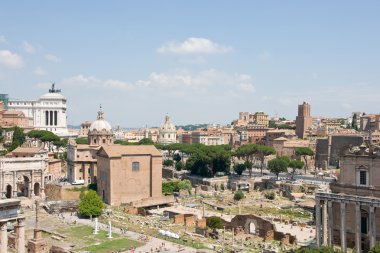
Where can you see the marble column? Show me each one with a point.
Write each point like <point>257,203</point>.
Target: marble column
<point>330,227</point>
<point>358,232</point>
<point>3,237</point>
<point>372,226</point>
<point>318,221</point>
<point>324,223</point>
<point>21,236</point>
<point>343,242</point>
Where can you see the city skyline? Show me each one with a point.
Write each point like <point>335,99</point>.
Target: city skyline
<point>198,62</point>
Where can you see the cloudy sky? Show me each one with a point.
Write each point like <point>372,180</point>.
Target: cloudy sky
<point>199,61</point>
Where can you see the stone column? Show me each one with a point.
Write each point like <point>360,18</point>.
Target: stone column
<point>21,236</point>
<point>318,221</point>
<point>372,226</point>
<point>14,186</point>
<point>3,237</point>
<point>343,243</point>
<point>330,227</point>
<point>324,222</point>
<point>358,234</point>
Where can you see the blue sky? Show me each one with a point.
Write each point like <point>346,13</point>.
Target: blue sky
<point>199,61</point>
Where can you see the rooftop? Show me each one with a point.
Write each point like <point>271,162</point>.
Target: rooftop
<point>122,150</point>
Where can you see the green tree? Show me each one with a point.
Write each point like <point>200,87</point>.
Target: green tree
<point>90,204</point>
<point>48,137</point>
<point>184,184</point>
<point>207,160</point>
<point>277,166</point>
<point>295,165</point>
<point>179,166</point>
<point>175,185</point>
<point>83,140</point>
<point>168,163</point>
<point>354,123</point>
<point>239,168</point>
<point>18,138</point>
<point>146,141</point>
<point>247,152</point>
<point>375,249</point>
<point>262,152</point>
<point>214,222</point>
<point>239,195</point>
<point>304,152</point>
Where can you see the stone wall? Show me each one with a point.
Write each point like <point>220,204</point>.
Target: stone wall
<point>263,228</point>
<point>57,192</point>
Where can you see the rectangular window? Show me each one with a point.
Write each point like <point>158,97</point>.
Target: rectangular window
<point>364,225</point>
<point>363,177</point>
<point>135,166</point>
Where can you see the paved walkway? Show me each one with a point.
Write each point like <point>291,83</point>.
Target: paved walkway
<point>153,245</point>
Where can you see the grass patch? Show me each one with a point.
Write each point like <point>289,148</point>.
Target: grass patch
<point>118,244</point>
<point>82,237</point>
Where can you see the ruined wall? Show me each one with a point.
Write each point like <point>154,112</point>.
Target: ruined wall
<point>58,192</point>
<point>263,228</point>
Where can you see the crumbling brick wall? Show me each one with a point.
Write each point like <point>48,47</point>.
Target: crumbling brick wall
<point>263,228</point>
<point>179,219</point>
<point>201,223</point>
<point>190,220</point>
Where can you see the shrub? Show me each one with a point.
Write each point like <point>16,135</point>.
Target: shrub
<point>168,163</point>
<point>238,195</point>
<point>375,249</point>
<point>175,185</point>
<point>90,204</point>
<point>239,168</point>
<point>270,195</point>
<point>214,222</point>
<point>179,166</point>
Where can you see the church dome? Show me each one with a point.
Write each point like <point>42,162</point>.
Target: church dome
<point>168,126</point>
<point>100,124</point>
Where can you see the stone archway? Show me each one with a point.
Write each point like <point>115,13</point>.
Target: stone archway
<point>23,186</point>
<point>36,189</point>
<point>252,228</point>
<point>8,193</point>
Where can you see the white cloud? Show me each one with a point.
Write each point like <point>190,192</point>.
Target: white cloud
<point>93,82</point>
<point>118,85</point>
<point>265,56</point>
<point>2,39</point>
<point>176,83</point>
<point>28,47</point>
<point>10,60</point>
<point>248,87</point>
<point>204,82</point>
<point>194,46</point>
<point>52,58</point>
<point>40,72</point>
